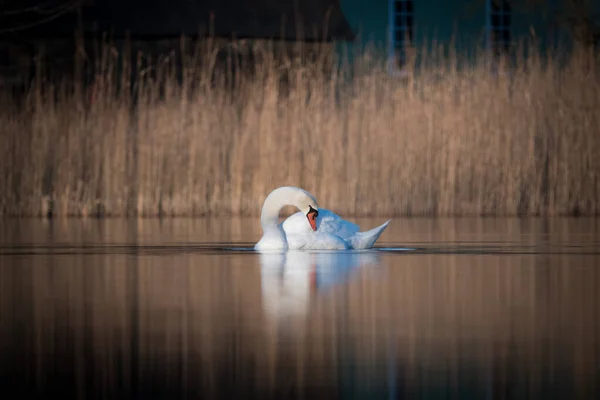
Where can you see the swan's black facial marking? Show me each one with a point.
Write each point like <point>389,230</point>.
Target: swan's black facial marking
<point>312,210</point>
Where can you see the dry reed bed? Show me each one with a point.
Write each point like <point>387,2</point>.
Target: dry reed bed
<point>448,141</point>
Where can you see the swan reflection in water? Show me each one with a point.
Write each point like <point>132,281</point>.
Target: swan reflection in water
<point>289,279</point>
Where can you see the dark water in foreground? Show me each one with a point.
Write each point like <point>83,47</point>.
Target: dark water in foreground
<point>469,308</point>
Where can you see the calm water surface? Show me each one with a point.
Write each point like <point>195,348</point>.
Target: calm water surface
<point>465,308</point>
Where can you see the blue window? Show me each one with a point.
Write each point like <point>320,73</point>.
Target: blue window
<point>402,28</point>
<point>499,20</point>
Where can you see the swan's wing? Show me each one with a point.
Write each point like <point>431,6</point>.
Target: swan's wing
<point>366,240</point>
<point>325,241</point>
<point>336,225</point>
<point>316,241</point>
<point>327,222</point>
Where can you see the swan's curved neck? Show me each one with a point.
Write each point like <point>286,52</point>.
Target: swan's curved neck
<point>273,204</point>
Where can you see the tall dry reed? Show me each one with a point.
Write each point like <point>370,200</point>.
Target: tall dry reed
<point>148,138</point>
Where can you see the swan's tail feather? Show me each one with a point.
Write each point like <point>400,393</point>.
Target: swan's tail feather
<point>365,240</point>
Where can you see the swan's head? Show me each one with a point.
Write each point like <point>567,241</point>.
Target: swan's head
<point>307,204</point>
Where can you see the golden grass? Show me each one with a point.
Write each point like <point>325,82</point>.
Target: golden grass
<point>445,141</point>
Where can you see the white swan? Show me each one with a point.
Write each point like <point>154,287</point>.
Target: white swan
<point>324,230</point>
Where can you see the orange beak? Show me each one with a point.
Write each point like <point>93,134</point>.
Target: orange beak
<point>312,220</point>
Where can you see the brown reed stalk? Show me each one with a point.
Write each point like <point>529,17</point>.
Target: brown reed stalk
<point>214,127</point>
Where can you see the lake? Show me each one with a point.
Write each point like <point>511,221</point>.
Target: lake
<point>475,308</point>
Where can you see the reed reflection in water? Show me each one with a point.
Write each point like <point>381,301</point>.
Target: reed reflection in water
<point>517,320</point>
